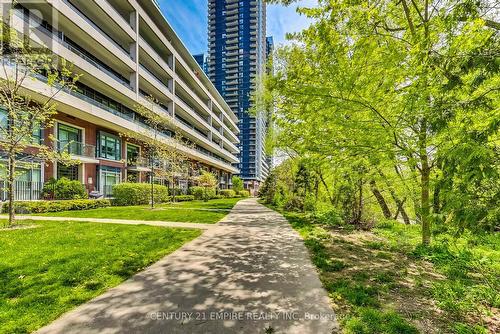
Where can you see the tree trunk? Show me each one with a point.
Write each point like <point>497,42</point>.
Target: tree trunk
<point>436,202</point>
<point>380,199</point>
<point>152,191</point>
<point>399,203</point>
<point>11,188</point>
<point>173,189</point>
<point>425,173</point>
<point>401,209</point>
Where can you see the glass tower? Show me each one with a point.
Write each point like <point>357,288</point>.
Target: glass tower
<point>237,58</point>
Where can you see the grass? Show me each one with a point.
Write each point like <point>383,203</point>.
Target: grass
<point>384,282</point>
<point>194,212</point>
<point>54,266</point>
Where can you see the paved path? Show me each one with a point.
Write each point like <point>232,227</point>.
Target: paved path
<point>117,221</point>
<point>250,273</point>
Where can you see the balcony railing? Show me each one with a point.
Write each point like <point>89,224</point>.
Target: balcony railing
<point>23,190</point>
<point>138,162</point>
<point>76,148</point>
<point>83,97</point>
<point>55,34</point>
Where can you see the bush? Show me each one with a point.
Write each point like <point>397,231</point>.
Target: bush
<point>227,193</point>
<point>184,198</point>
<point>294,203</point>
<point>331,217</point>
<point>64,188</point>
<point>138,194</point>
<point>57,206</point>
<point>244,193</point>
<point>237,183</point>
<point>177,191</point>
<point>202,193</point>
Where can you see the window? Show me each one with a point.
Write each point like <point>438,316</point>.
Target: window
<point>132,153</point>
<point>108,177</point>
<point>69,139</point>
<point>69,172</point>
<point>37,131</point>
<point>109,146</point>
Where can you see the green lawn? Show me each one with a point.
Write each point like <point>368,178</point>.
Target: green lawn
<point>48,270</point>
<point>384,282</point>
<point>193,212</point>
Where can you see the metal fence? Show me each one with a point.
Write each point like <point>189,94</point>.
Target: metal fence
<point>23,190</point>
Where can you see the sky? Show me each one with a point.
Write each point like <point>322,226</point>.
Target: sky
<point>189,20</point>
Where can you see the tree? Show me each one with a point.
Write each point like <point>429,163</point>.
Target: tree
<point>22,115</point>
<point>208,181</point>
<point>237,183</point>
<point>165,147</point>
<point>403,87</point>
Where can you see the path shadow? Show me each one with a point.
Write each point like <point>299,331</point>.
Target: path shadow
<point>251,274</point>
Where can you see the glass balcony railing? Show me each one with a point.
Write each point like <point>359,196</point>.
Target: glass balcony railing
<point>83,97</point>
<point>55,34</point>
<point>138,162</point>
<point>76,148</point>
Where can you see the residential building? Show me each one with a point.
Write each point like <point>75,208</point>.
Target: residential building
<point>269,70</point>
<point>125,51</point>
<point>201,59</point>
<point>237,58</point>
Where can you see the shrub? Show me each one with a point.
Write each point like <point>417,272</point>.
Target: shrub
<point>57,206</point>
<point>64,188</point>
<point>177,191</point>
<point>237,183</point>
<point>202,192</point>
<point>244,193</point>
<point>227,193</point>
<point>138,194</point>
<point>184,198</point>
<point>294,203</point>
<point>331,217</point>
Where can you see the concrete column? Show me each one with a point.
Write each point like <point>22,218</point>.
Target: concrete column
<point>134,52</point>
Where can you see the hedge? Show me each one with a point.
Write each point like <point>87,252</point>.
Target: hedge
<point>182,198</point>
<point>64,188</point>
<point>202,193</point>
<point>244,193</point>
<point>57,206</point>
<point>227,193</point>
<point>138,194</point>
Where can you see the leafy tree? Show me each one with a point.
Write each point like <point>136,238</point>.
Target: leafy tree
<point>401,95</point>
<point>22,114</point>
<point>166,156</point>
<point>237,183</point>
<point>208,181</point>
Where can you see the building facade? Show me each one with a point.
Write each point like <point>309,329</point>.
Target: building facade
<point>237,58</point>
<point>125,52</point>
<point>201,59</point>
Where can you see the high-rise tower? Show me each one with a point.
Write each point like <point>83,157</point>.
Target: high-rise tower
<point>237,58</point>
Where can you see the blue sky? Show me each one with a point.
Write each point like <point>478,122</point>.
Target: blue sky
<point>189,20</point>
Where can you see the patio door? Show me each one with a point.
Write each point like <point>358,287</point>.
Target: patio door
<point>69,139</point>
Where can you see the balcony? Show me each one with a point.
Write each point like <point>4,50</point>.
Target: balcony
<point>138,164</point>
<point>82,152</point>
<point>56,35</point>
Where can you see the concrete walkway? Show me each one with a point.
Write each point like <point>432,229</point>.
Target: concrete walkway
<point>251,273</point>
<point>117,221</point>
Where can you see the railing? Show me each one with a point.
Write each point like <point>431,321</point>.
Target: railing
<point>23,190</point>
<point>55,35</point>
<point>115,112</point>
<point>138,162</point>
<point>76,148</point>
<point>96,27</point>
<point>165,85</point>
